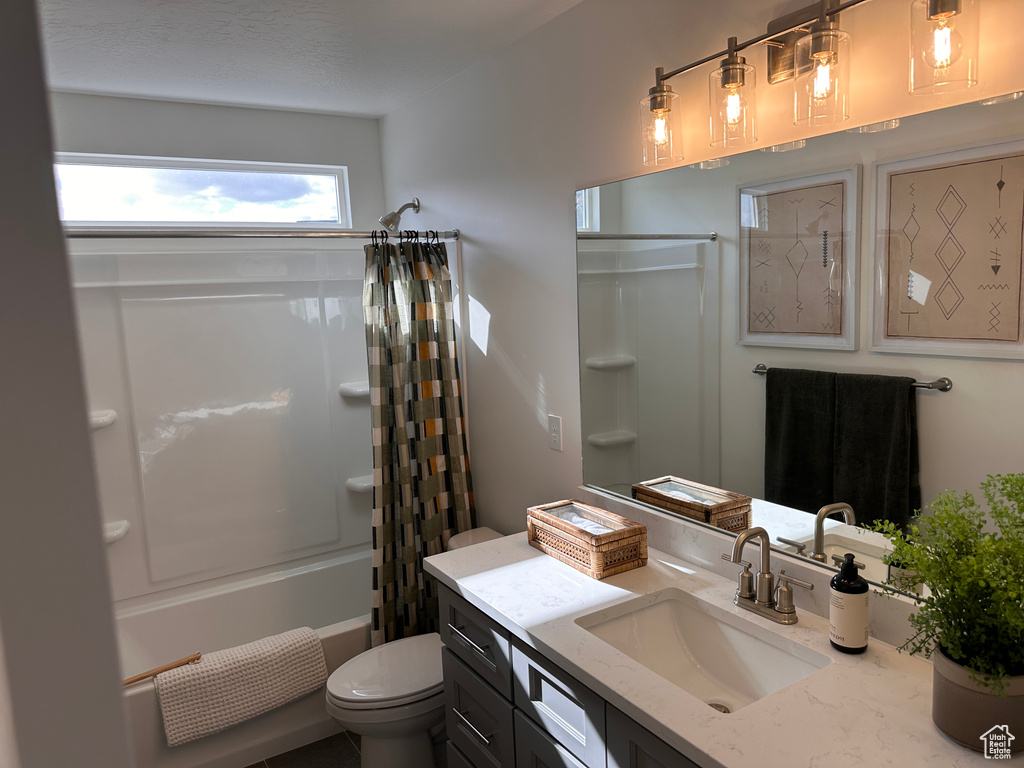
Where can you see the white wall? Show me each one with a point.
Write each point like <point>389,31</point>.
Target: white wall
<point>110,125</point>
<point>58,637</point>
<point>498,151</point>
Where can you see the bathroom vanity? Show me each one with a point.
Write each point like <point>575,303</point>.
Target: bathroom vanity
<point>545,666</point>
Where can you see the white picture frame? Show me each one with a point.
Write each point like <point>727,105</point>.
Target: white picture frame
<point>799,255</point>
<point>949,254</point>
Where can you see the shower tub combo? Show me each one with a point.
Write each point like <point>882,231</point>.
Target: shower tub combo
<point>230,409</point>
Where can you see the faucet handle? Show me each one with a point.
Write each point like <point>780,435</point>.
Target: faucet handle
<point>838,560</point>
<point>800,546</point>
<point>784,594</point>
<point>746,583</point>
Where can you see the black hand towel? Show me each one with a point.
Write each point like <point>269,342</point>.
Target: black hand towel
<point>799,432</point>
<point>875,456</point>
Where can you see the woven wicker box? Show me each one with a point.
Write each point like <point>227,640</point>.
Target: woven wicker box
<point>612,544</point>
<point>722,509</point>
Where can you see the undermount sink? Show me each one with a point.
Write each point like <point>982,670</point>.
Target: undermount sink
<point>867,547</point>
<point>710,653</point>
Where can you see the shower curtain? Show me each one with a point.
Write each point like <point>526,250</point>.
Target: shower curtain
<point>422,491</point>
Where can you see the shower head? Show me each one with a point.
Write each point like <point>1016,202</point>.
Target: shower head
<point>390,220</point>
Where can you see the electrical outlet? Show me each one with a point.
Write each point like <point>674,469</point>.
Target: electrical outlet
<point>554,432</point>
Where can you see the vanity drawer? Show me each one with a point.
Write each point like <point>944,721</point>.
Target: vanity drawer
<point>455,757</point>
<point>630,745</point>
<point>477,640</point>
<point>568,710</point>
<point>535,749</point>
<point>478,720</point>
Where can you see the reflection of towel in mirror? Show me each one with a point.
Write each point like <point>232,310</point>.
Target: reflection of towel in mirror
<point>876,461</point>
<point>799,429</point>
<point>842,437</point>
<point>230,686</point>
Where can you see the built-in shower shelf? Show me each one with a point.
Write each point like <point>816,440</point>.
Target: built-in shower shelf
<point>610,362</point>
<point>114,531</point>
<point>361,484</point>
<point>355,389</point>
<point>612,439</point>
<point>101,419</point>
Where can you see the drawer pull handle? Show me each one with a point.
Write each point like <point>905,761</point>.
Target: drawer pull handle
<point>483,739</point>
<point>481,649</point>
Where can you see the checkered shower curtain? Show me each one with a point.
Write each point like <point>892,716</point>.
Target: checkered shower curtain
<point>422,491</point>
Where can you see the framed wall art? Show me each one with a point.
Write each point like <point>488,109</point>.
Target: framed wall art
<point>798,261</point>
<point>948,255</point>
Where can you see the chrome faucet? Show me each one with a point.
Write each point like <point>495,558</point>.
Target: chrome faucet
<point>818,552</point>
<point>762,598</point>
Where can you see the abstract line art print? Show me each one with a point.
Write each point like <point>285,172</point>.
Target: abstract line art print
<point>952,283</point>
<point>798,261</point>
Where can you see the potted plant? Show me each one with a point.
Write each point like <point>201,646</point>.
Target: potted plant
<point>970,617</point>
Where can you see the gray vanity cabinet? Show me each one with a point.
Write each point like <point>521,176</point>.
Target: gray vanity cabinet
<point>630,745</point>
<point>507,706</point>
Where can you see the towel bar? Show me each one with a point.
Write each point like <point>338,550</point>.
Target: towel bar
<point>943,384</point>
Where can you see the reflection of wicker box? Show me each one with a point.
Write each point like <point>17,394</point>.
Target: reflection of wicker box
<point>612,545</point>
<point>723,509</point>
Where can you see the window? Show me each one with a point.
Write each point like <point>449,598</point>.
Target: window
<point>116,190</point>
<point>588,210</point>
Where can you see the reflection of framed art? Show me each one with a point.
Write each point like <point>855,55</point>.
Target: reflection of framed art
<point>948,255</point>
<point>798,261</point>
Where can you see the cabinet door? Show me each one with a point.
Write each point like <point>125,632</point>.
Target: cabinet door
<point>478,640</point>
<point>478,720</point>
<point>564,707</point>
<point>535,749</point>
<point>632,746</point>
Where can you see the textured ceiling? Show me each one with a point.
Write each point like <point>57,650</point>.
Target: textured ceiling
<point>358,57</point>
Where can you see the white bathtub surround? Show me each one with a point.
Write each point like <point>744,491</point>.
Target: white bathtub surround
<point>231,686</point>
<point>873,709</point>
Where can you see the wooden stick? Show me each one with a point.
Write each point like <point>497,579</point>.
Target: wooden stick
<point>157,670</point>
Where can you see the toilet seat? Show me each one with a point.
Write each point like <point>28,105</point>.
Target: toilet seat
<point>391,675</point>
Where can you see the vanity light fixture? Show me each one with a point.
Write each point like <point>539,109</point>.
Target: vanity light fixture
<point>884,125</point>
<point>788,146</point>
<point>732,95</point>
<point>821,88</point>
<point>943,45</point>
<point>661,123</point>
<point>992,101</point>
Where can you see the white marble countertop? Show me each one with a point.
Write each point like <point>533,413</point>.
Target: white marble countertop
<point>872,709</point>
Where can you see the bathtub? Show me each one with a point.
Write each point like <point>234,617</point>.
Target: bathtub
<point>331,596</point>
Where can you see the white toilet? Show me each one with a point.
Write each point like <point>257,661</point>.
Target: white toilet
<point>393,695</point>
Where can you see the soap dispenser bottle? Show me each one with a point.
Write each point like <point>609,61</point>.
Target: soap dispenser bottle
<point>848,609</point>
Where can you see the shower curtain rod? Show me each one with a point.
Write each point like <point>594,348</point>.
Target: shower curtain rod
<point>712,236</point>
<point>128,234</point>
<point>943,384</point>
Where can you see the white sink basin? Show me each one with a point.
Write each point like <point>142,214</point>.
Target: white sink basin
<point>710,653</point>
<point>867,547</point>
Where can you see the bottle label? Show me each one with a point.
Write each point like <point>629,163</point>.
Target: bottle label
<point>848,619</point>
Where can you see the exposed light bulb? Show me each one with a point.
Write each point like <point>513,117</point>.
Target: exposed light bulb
<point>660,129</point>
<point>733,108</point>
<point>946,48</point>
<point>822,82</point>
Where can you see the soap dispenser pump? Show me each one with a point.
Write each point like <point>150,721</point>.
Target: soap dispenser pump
<point>848,609</point>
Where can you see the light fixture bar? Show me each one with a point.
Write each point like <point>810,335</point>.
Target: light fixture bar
<point>765,38</point>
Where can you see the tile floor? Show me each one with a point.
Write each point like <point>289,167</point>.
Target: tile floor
<point>339,751</point>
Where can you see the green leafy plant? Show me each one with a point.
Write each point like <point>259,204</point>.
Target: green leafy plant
<point>974,573</point>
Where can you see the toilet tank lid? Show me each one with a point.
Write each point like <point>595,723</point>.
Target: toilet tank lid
<point>401,669</point>
<point>472,536</point>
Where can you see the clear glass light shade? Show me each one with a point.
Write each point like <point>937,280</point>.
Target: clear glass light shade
<point>821,88</point>
<point>943,45</point>
<point>732,96</point>
<point>661,129</point>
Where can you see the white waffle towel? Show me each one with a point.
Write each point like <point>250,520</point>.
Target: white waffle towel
<point>227,687</point>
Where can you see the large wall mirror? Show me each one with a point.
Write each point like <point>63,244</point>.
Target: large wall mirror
<point>666,386</point>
